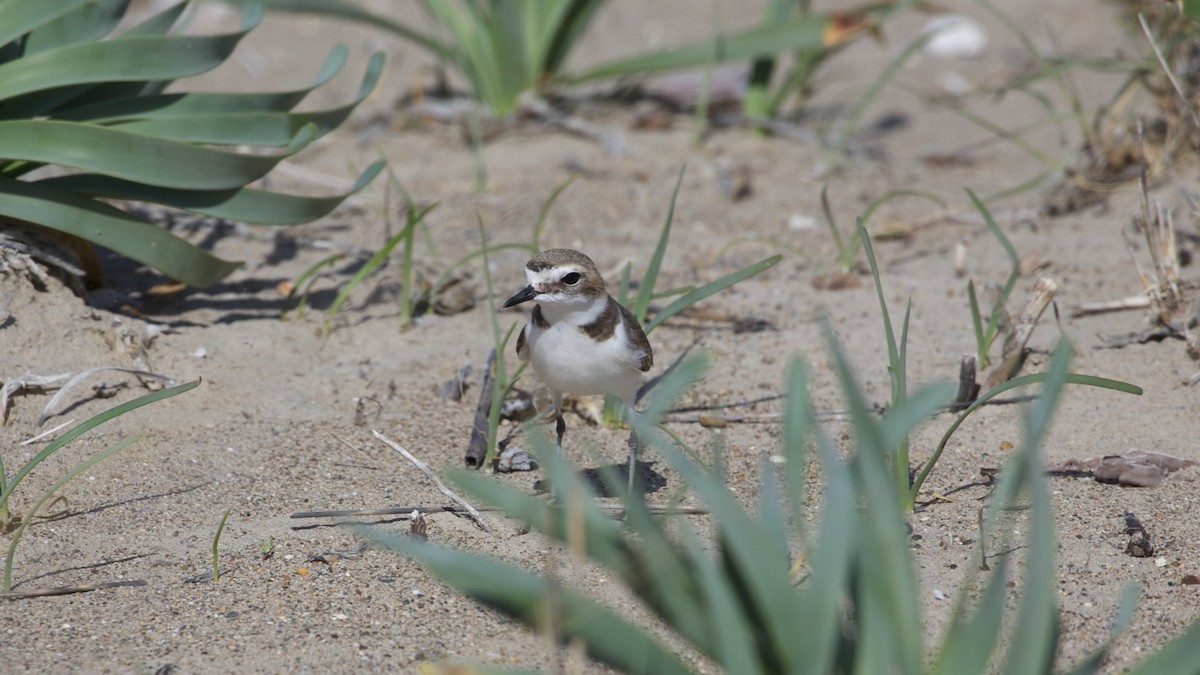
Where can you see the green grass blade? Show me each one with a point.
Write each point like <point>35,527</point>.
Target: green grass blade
<point>345,10</point>
<point>28,518</point>
<point>305,281</point>
<point>696,295</point>
<point>370,266</point>
<point>641,303</point>
<point>842,139</point>
<point>247,205</point>
<point>886,576</point>
<point>99,223</point>
<point>1178,657</point>
<point>526,597</point>
<point>536,242</point>
<point>981,343</point>
<point>762,40</point>
<point>798,427</point>
<point>845,256</point>
<point>1024,380</point>
<point>1035,637</point>
<point>1014,267</point>
<point>831,564</point>
<point>1191,9</point>
<point>970,640</point>
<point>764,587</point>
<point>85,427</point>
<point>888,333</point>
<point>566,33</point>
<point>755,103</point>
<point>1125,611</point>
<point>216,566</point>
<point>731,628</point>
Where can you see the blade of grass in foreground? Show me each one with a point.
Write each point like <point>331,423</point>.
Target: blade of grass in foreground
<point>641,303</point>
<point>527,596</point>
<point>6,490</point>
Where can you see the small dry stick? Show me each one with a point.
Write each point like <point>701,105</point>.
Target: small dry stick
<point>67,590</point>
<point>477,448</point>
<point>409,510</point>
<point>437,481</point>
<point>1014,345</point>
<point>1139,301</point>
<point>364,455</point>
<point>968,387</point>
<point>48,432</point>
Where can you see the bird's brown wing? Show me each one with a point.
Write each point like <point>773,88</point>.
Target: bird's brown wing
<point>638,337</point>
<point>522,347</point>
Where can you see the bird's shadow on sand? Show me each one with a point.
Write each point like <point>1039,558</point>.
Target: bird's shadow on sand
<point>650,480</point>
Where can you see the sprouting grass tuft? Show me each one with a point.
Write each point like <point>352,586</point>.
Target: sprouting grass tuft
<point>216,567</point>
<point>8,521</point>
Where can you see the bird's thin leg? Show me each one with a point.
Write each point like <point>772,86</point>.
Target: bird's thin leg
<point>633,448</point>
<point>560,427</point>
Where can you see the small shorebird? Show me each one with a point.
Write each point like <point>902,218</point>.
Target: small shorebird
<point>579,339</point>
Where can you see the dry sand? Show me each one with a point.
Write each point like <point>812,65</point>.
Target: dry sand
<point>263,435</point>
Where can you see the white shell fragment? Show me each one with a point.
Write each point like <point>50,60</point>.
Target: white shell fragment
<point>954,37</point>
<point>514,458</point>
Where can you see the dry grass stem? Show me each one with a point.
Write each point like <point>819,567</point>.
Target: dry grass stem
<point>471,510</point>
<point>1016,339</point>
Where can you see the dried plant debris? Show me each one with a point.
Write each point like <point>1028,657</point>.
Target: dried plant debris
<point>1173,303</point>
<point>1017,334</point>
<point>1133,468</point>
<point>1140,543</point>
<point>1150,127</point>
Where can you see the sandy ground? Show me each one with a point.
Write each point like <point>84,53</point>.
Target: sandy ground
<point>269,431</point>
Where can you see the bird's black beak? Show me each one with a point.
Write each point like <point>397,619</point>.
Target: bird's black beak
<point>523,295</point>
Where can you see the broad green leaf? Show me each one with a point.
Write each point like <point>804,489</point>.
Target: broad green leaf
<point>134,157</point>
<point>125,59</point>
<point>346,10</point>
<point>90,21</point>
<point>18,17</point>
<point>765,589</point>
<point>1191,9</point>
<point>246,205</point>
<point>111,228</point>
<point>159,24</point>
<point>197,103</point>
<point>254,128</point>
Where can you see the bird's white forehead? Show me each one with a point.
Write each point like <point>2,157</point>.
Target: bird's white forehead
<point>550,275</point>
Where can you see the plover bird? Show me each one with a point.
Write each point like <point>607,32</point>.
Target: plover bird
<point>579,339</point>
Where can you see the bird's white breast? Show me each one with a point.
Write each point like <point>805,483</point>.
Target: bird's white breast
<point>568,360</point>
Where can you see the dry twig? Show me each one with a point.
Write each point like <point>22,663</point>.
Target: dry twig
<point>474,514</point>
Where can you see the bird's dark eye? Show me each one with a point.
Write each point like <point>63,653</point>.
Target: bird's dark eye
<point>571,278</point>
